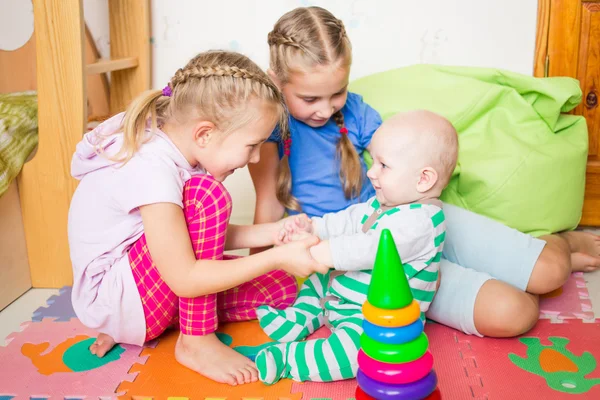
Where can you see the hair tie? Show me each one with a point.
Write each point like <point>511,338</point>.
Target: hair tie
<point>167,91</point>
<point>343,130</point>
<point>287,146</point>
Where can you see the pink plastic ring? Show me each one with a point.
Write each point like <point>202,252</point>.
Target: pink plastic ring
<point>395,373</point>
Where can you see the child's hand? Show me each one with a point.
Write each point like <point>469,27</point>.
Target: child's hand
<point>294,228</point>
<point>296,258</point>
<point>322,253</point>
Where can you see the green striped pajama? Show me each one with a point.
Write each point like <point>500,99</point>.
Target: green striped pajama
<point>334,358</point>
<point>320,360</point>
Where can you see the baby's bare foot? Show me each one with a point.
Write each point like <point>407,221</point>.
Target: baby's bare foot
<point>102,345</point>
<point>208,356</point>
<point>585,250</point>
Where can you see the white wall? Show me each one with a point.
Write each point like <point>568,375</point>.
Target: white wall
<point>385,34</point>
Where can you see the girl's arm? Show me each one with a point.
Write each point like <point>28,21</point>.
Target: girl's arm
<point>251,236</point>
<point>264,176</point>
<point>169,243</point>
<point>262,235</point>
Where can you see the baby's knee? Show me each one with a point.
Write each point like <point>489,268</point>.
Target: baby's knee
<point>284,290</point>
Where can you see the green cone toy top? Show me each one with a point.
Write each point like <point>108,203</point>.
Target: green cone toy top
<point>389,287</point>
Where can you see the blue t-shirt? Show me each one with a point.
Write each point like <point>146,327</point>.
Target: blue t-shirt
<point>314,164</point>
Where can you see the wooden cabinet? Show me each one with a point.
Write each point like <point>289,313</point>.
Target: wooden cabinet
<point>568,44</point>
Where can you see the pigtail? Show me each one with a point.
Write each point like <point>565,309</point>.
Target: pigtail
<point>301,39</point>
<point>284,180</point>
<point>134,123</point>
<point>351,172</point>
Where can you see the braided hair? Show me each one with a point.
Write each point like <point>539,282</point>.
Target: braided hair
<point>215,85</point>
<point>303,39</point>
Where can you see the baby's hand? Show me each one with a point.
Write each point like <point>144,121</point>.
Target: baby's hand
<point>296,227</point>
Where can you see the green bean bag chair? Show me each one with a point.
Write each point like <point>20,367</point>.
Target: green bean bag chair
<point>521,161</point>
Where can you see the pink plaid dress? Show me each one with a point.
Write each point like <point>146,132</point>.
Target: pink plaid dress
<point>207,208</point>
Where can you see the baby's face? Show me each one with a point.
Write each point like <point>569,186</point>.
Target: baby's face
<point>396,169</point>
<point>414,154</point>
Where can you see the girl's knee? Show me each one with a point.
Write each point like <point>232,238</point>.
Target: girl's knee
<point>284,290</point>
<point>202,193</point>
<point>520,314</point>
<point>205,188</point>
<point>551,270</point>
<point>505,311</point>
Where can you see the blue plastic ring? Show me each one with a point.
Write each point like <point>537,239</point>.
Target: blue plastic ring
<point>403,334</point>
<point>385,391</point>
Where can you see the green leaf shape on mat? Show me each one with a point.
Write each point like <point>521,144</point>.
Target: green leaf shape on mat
<point>78,357</point>
<point>225,338</point>
<point>248,351</point>
<point>252,351</point>
<point>562,370</point>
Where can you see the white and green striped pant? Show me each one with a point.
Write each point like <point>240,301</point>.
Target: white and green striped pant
<point>321,360</point>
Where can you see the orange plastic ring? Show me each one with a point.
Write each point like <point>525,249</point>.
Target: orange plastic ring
<point>392,318</point>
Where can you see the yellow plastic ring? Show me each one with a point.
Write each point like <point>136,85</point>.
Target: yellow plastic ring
<point>392,318</point>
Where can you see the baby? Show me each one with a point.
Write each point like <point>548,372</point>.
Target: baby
<point>414,154</point>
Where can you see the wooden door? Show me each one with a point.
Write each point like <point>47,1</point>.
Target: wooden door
<point>568,44</point>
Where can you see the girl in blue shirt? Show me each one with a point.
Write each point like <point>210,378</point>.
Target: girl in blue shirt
<point>492,274</point>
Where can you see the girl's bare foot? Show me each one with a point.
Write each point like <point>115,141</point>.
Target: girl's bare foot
<point>584,262</point>
<point>585,250</point>
<point>208,356</point>
<point>102,345</point>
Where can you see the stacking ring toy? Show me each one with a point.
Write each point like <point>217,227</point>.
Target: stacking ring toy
<point>359,394</point>
<point>394,353</point>
<point>435,395</point>
<point>395,373</point>
<point>393,335</point>
<point>392,318</point>
<point>384,391</point>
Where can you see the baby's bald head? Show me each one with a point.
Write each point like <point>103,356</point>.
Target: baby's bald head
<point>427,136</point>
<point>417,148</point>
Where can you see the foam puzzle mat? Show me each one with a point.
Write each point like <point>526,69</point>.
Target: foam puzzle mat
<point>552,361</point>
<point>572,301</point>
<point>557,359</point>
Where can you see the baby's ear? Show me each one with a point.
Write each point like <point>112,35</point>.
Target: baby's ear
<point>428,177</point>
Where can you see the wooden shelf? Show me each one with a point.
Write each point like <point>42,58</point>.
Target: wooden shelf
<point>103,66</point>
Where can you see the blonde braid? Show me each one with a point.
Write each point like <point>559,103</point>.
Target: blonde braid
<point>215,85</point>
<point>340,25</point>
<point>351,172</point>
<point>284,183</point>
<point>183,75</point>
<point>300,40</point>
<point>199,72</point>
<point>278,39</point>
